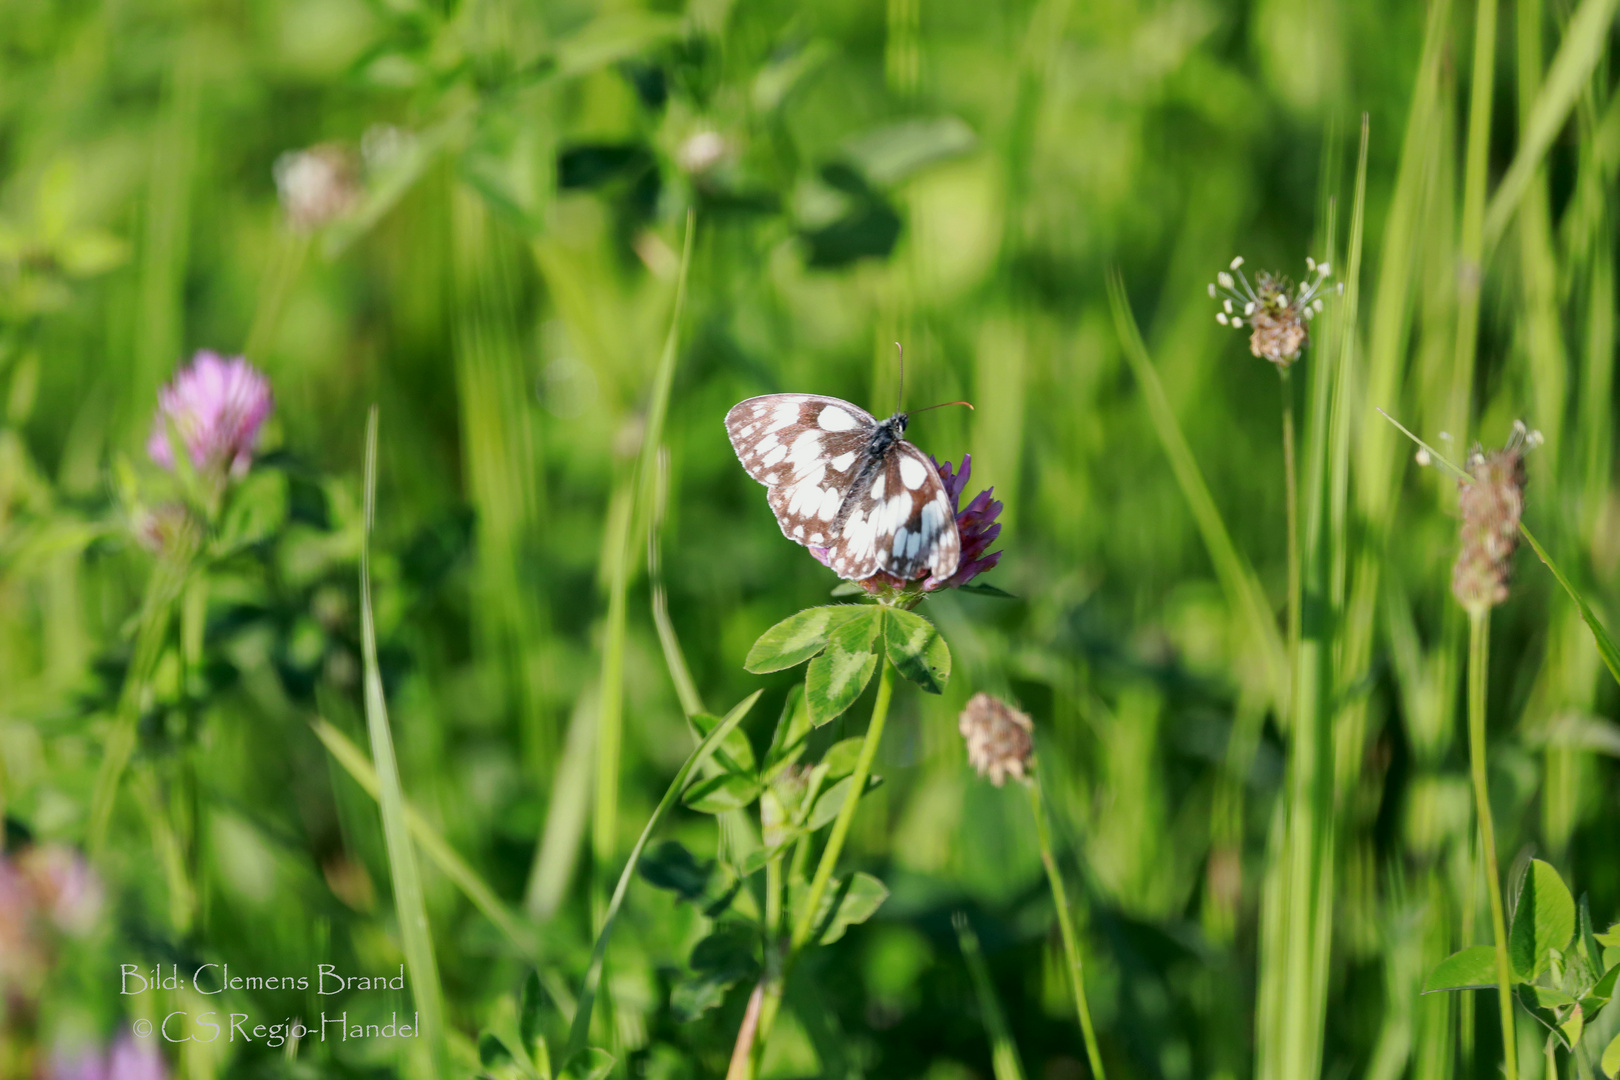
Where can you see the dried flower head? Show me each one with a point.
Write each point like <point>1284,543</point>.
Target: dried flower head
<point>976,526</point>
<point>1276,312</point>
<point>998,738</point>
<point>1490,505</point>
<point>316,185</point>
<point>701,152</point>
<point>216,406</point>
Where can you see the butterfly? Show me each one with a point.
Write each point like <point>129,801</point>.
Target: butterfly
<point>841,479</point>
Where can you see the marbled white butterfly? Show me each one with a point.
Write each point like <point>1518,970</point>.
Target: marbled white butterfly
<point>843,480</point>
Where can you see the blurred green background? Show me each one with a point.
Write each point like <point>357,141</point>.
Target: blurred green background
<point>959,177</point>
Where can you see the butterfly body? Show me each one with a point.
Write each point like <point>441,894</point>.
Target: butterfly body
<point>842,480</point>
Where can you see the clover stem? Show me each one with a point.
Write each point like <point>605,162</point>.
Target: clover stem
<point>772,986</point>
<point>1479,644</point>
<point>1071,943</point>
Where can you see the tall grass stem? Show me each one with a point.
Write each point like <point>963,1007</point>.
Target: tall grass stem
<point>409,902</point>
<point>1479,644</point>
<point>1071,941</point>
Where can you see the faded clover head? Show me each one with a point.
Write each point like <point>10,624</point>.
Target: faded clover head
<point>999,739</point>
<point>216,407</point>
<point>316,185</point>
<point>977,527</point>
<point>1276,313</point>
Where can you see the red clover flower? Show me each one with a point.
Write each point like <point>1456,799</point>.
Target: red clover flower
<point>216,406</point>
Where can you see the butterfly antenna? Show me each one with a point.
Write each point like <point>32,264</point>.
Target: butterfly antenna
<point>942,404</point>
<point>900,405</point>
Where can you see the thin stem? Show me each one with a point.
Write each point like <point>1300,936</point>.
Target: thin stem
<point>1071,943</point>
<point>1552,1060</point>
<point>772,986</point>
<point>846,813</point>
<point>1479,644</point>
<point>741,1067</point>
<point>1291,491</point>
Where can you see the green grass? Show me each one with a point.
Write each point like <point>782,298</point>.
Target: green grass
<point>1254,736</point>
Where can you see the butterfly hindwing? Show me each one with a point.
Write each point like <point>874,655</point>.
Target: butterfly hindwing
<point>901,521</point>
<point>839,479</point>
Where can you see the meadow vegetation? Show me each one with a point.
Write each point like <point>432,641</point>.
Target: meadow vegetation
<point>434,691</point>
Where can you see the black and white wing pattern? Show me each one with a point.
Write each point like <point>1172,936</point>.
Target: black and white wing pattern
<point>899,519</point>
<point>842,480</point>
<point>807,449</point>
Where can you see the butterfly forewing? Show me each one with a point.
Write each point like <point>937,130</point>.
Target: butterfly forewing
<point>807,449</point>
<point>876,503</point>
<point>901,521</point>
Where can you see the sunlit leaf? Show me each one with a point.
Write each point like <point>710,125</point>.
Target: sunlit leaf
<point>837,677</point>
<point>841,756</point>
<point>1543,919</point>
<point>1473,968</point>
<point>789,740</point>
<point>917,651</point>
<point>848,903</point>
<point>1610,1061</point>
<point>735,752</point>
<point>799,637</point>
<point>728,791</point>
<point>829,801</point>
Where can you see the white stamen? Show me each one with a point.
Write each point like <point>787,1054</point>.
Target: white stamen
<point>1227,307</point>
<point>1422,457</point>
<point>1237,262</point>
<point>1237,322</point>
<point>1225,279</point>
<point>1212,290</point>
<point>1220,317</point>
<point>1248,309</point>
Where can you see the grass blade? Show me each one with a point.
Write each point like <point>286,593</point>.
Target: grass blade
<point>1003,1051</point>
<point>1584,42</point>
<point>416,936</point>
<point>1605,644</point>
<point>434,846</point>
<point>1237,577</point>
<point>593,974</point>
<point>610,715</point>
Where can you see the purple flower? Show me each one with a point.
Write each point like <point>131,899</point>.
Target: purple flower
<point>216,407</point>
<point>976,525</point>
<point>127,1060</point>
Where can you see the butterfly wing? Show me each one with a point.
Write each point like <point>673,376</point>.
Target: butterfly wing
<point>807,448</point>
<point>901,522</point>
